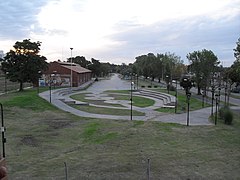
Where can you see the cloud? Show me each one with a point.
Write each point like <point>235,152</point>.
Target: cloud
<point>18,17</point>
<point>181,36</point>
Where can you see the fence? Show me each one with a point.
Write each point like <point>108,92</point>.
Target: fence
<point>6,85</point>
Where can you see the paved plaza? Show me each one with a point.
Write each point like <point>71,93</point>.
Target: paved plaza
<point>96,91</point>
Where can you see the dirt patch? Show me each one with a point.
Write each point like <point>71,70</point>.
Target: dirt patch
<point>58,124</point>
<point>29,140</point>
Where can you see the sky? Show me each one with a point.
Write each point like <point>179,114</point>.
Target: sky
<point>117,31</point>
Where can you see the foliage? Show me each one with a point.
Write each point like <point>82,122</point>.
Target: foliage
<point>24,62</point>
<point>166,66</point>
<point>237,51</point>
<point>233,73</point>
<point>81,60</point>
<point>203,64</point>
<point>226,114</point>
<point>228,117</point>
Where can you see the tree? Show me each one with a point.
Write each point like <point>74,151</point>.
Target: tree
<point>24,63</point>
<point>237,51</point>
<point>202,64</point>
<point>234,71</point>
<point>81,60</point>
<point>95,67</point>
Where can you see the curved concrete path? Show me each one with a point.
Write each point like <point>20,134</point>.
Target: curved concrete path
<point>199,117</point>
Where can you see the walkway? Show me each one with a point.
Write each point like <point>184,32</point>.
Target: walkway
<point>199,117</point>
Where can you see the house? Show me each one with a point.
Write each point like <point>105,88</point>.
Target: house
<point>59,74</point>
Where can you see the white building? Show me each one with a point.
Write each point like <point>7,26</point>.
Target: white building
<point>1,54</point>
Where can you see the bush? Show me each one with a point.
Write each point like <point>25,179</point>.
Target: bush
<point>172,88</point>
<point>222,111</point>
<point>228,116</point>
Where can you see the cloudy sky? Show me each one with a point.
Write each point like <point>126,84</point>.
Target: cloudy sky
<point>117,31</point>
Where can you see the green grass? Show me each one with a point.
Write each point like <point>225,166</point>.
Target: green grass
<point>137,100</point>
<point>40,141</point>
<point>107,111</point>
<point>194,104</point>
<point>26,99</point>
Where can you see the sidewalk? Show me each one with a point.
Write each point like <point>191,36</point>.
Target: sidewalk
<point>198,117</point>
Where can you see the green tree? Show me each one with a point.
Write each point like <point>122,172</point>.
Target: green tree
<point>95,67</point>
<point>24,62</point>
<point>237,51</point>
<point>234,71</point>
<point>203,64</point>
<point>81,60</point>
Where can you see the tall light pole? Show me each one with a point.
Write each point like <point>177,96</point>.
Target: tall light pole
<point>167,83</point>
<point>3,129</point>
<point>132,83</point>
<point>6,82</point>
<point>39,73</point>
<point>176,101</point>
<point>71,70</point>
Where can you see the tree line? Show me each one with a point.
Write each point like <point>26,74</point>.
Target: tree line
<point>23,64</point>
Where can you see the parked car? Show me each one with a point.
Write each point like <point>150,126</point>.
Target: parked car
<point>236,90</point>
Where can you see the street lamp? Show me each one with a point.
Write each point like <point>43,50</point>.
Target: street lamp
<point>6,81</point>
<point>225,93</point>
<point>39,72</point>
<point>3,129</point>
<point>176,101</point>
<point>71,71</point>
<point>213,92</point>
<point>167,78</point>
<point>50,87</point>
<point>187,84</point>
<point>137,81</point>
<point>216,95</point>
<point>203,95</point>
<point>132,83</point>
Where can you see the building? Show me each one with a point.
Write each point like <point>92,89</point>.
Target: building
<point>59,74</point>
<point>2,54</point>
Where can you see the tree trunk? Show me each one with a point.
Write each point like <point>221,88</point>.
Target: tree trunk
<point>21,86</point>
<point>199,90</point>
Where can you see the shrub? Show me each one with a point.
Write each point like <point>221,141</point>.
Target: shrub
<point>172,88</point>
<point>222,111</point>
<point>228,116</point>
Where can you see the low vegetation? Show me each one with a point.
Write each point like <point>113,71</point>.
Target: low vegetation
<point>40,138</point>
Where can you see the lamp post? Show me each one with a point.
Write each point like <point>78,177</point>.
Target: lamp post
<point>6,81</point>
<point>137,81</point>
<point>188,106</point>
<point>50,87</point>
<point>225,93</point>
<point>3,129</point>
<point>187,84</point>
<point>213,91</point>
<point>203,95</point>
<point>71,71</point>
<point>39,72</point>
<point>216,95</point>
<point>131,100</point>
<point>176,101</point>
<point>167,78</point>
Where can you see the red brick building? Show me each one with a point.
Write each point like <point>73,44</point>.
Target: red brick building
<point>59,73</point>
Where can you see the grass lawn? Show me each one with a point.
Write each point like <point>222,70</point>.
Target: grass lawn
<point>137,100</point>
<point>40,138</point>
<point>194,103</point>
<point>108,111</point>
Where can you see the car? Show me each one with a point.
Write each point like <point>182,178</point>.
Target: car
<point>236,90</point>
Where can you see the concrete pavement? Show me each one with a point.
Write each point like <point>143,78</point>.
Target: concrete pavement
<point>199,117</point>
